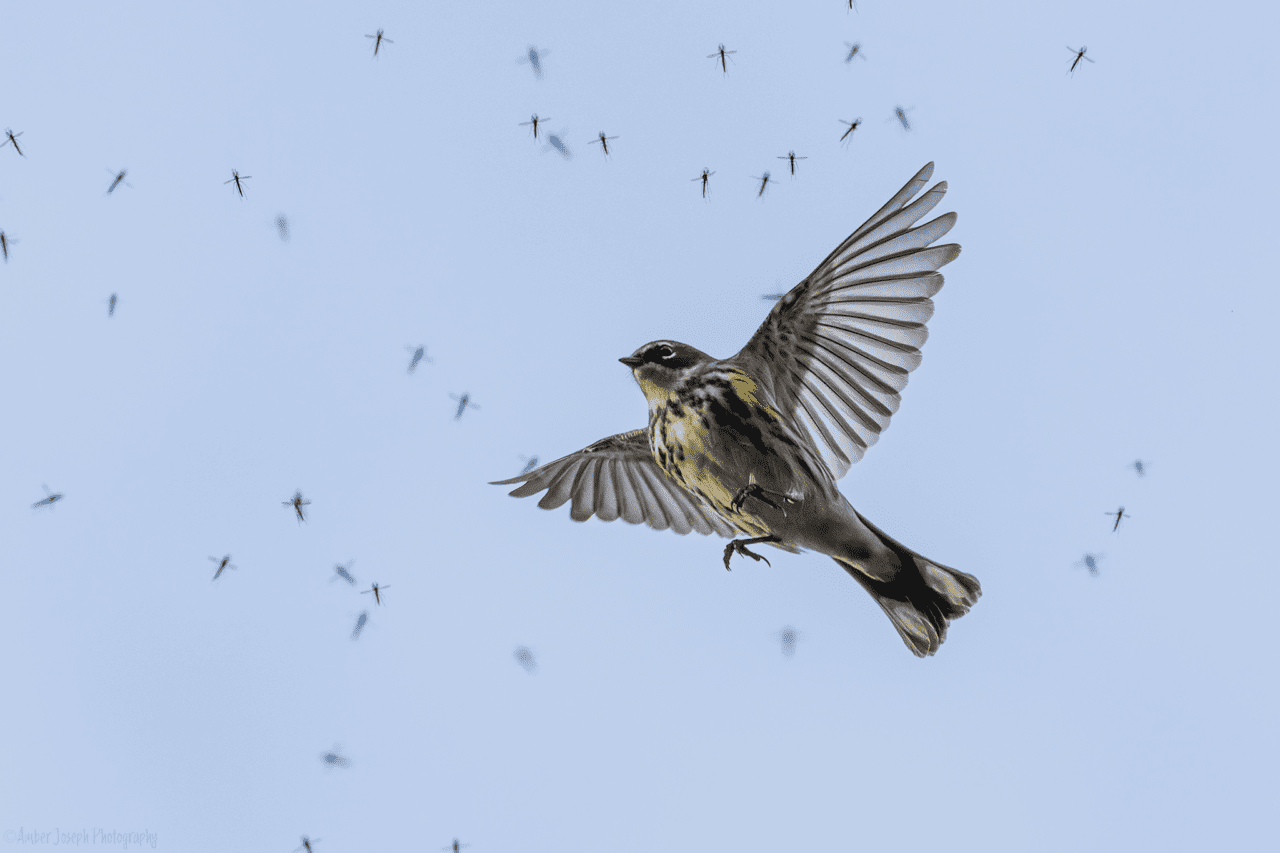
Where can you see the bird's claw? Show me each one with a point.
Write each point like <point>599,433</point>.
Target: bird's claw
<point>739,546</point>
<point>752,490</point>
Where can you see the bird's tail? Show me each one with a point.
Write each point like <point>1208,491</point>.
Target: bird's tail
<point>922,598</point>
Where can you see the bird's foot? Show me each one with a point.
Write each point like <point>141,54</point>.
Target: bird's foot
<point>740,546</point>
<point>755,490</point>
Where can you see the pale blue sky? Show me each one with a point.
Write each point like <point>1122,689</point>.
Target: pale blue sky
<point>1114,301</point>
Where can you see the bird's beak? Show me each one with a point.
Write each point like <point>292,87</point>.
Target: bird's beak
<point>632,362</point>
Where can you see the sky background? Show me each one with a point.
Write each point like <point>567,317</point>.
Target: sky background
<point>1114,302</point>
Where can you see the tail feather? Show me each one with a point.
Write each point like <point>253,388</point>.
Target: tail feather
<point>922,598</point>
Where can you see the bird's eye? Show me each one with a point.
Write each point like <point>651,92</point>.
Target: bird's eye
<point>661,352</point>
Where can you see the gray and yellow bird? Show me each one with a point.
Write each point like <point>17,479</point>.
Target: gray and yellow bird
<point>754,444</point>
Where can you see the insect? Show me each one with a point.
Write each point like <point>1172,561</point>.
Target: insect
<point>533,120</point>
<point>787,637</point>
<point>705,177</point>
<point>764,182</point>
<point>1119,514</point>
<point>50,498</point>
<point>604,142</point>
<point>853,125</point>
<point>378,40</point>
<point>901,115</point>
<point>377,592</point>
<point>464,402</point>
<point>361,621</point>
<point>282,226</point>
<point>774,297</point>
<point>525,658</point>
<point>224,563</point>
<point>723,56</point>
<point>1079,56</point>
<point>853,5</point>
<point>343,572</point>
<point>1140,467</point>
<point>455,846</point>
<point>13,137</point>
<point>533,58</point>
<point>5,241</point>
<point>555,142</point>
<point>791,158</point>
<point>306,844</point>
<point>419,354</point>
<point>297,503</point>
<point>334,758</point>
<point>530,464</point>
<point>1090,562</point>
<point>118,180</point>
<point>236,178</point>
<point>854,50</point>
<point>111,306</point>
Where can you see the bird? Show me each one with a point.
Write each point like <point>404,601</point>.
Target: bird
<point>754,444</point>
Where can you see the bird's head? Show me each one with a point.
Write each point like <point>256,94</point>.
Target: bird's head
<point>660,365</point>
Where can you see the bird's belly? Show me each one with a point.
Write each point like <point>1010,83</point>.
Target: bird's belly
<point>708,467</point>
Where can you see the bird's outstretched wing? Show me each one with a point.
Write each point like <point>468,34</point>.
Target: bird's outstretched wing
<point>836,350</point>
<point>617,477</point>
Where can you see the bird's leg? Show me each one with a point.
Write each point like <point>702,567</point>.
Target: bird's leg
<point>740,546</point>
<point>755,490</point>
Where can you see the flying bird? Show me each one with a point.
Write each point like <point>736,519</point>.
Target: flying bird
<point>753,444</point>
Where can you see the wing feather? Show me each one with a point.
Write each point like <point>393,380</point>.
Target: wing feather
<point>836,351</point>
<point>617,477</point>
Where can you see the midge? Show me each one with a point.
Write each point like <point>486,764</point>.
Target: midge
<point>1090,562</point>
<point>119,179</point>
<point>49,499</point>
<point>377,592</point>
<point>236,178</point>
<point>853,125</point>
<point>901,115</point>
<point>1079,56</point>
<point>419,354</point>
<point>603,141</point>
<point>222,564</point>
<point>378,39</point>
<point>854,50</point>
<point>723,55</point>
<point>307,842</point>
<point>5,240</point>
<point>1119,514</point>
<point>791,158</point>
<point>764,182</point>
<point>533,120</point>
<point>297,503</point>
<point>751,446</point>
<point>533,57</point>
<point>464,403</point>
<point>12,139</point>
<point>704,177</point>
